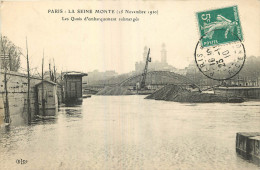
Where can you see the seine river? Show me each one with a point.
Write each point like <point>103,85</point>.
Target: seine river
<point>128,132</point>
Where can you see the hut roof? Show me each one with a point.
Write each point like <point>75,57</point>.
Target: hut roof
<point>74,73</point>
<point>46,81</point>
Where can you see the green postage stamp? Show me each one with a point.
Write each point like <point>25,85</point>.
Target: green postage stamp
<point>219,26</point>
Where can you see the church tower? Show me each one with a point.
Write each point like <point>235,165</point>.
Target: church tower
<point>163,54</point>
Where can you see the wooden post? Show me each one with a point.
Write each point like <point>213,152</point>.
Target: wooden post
<point>43,100</point>
<point>54,71</point>
<point>50,70</point>
<point>66,88</point>
<point>10,62</point>
<point>6,104</point>
<point>62,86</point>
<point>28,91</point>
<point>7,111</point>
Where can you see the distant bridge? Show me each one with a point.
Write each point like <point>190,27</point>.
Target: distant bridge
<point>157,78</point>
<point>92,89</point>
<point>154,79</point>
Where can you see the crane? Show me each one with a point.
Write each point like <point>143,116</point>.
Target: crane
<point>143,77</point>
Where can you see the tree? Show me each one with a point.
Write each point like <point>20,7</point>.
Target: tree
<point>12,54</point>
<point>251,69</point>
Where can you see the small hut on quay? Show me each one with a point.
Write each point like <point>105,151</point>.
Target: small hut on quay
<point>46,98</point>
<point>73,86</point>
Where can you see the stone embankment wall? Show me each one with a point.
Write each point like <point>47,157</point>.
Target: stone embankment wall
<point>245,92</point>
<point>248,145</point>
<point>17,96</point>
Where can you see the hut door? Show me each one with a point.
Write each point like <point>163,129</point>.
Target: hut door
<point>40,97</point>
<point>78,89</point>
<point>73,89</point>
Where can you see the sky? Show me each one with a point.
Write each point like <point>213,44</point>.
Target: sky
<point>86,46</point>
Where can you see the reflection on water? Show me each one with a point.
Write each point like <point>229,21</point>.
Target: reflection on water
<point>48,120</point>
<point>74,103</point>
<point>128,132</point>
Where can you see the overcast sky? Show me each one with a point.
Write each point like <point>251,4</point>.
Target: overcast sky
<point>86,46</point>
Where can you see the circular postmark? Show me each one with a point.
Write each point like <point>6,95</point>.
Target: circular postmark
<point>220,61</point>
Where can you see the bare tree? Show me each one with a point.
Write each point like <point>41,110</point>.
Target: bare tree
<point>13,52</point>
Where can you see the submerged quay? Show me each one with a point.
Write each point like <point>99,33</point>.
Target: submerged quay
<point>128,132</point>
<point>45,96</point>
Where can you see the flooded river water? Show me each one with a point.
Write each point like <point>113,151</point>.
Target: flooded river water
<point>128,132</point>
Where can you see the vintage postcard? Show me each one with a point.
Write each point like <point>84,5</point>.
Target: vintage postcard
<point>123,85</point>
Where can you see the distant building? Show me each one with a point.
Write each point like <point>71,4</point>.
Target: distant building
<point>73,85</point>
<point>155,66</point>
<point>239,80</point>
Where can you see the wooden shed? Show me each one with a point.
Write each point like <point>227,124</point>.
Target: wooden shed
<point>73,85</point>
<point>46,98</point>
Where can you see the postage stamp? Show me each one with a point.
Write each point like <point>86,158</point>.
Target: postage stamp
<point>226,20</point>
